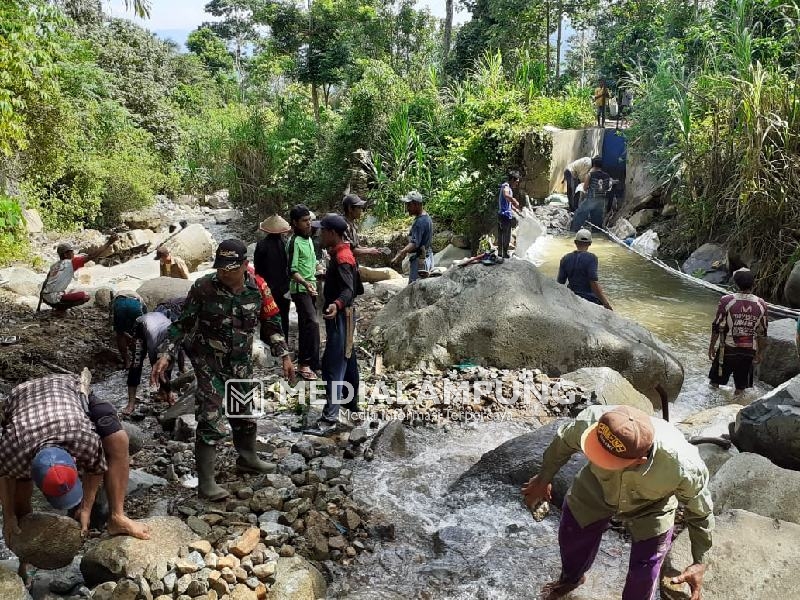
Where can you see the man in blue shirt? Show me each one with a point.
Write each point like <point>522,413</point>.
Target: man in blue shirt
<point>419,239</point>
<point>505,216</point>
<point>580,268</point>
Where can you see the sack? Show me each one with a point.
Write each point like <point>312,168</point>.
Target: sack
<point>647,243</point>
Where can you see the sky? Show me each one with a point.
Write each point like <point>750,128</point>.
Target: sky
<point>174,19</point>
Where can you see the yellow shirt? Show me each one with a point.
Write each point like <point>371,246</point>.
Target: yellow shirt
<point>603,96</point>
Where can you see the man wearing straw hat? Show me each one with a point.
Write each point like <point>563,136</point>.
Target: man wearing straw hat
<point>639,468</point>
<point>271,263</point>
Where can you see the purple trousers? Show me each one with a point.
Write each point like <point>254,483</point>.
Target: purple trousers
<point>579,547</point>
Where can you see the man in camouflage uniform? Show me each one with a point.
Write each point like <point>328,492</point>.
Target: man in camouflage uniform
<point>222,314</point>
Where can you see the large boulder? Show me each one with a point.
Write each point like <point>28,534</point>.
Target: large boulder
<point>21,281</point>
<point>375,274</point>
<point>144,219</point>
<point>447,256</point>
<point>709,262</point>
<point>512,316</point>
<point>791,290</point>
<point>710,423</point>
<point>643,218</point>
<point>780,361</point>
<point>715,456</point>
<point>751,482</point>
<point>623,229</point>
<point>297,579</point>
<point>753,558</point>
<point>47,541</point>
<point>770,426</point>
<point>11,586</point>
<point>609,387</point>
<point>33,221</point>
<point>519,459</point>
<point>158,290</point>
<point>195,245</point>
<point>117,557</point>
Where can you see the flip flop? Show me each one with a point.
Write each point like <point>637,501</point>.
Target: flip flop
<point>307,374</point>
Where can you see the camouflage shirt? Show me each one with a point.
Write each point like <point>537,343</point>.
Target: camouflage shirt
<point>223,325</point>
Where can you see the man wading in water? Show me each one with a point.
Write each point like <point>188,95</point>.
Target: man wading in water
<point>741,320</point>
<point>580,268</point>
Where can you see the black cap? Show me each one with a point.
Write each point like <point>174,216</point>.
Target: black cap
<point>331,221</point>
<point>352,200</point>
<point>231,254</point>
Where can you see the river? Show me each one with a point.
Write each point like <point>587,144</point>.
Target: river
<point>497,550</point>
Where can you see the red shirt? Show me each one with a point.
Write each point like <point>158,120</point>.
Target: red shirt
<point>740,318</point>
<point>268,306</point>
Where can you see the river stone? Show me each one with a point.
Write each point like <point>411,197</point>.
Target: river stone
<point>135,437</point>
<point>450,255</point>
<point>623,229</point>
<point>375,274</point>
<point>770,426</point>
<point>751,482</point>
<point>390,440</point>
<point>704,258</point>
<point>140,481</point>
<point>519,459</point>
<point>102,298</point>
<point>297,579</point>
<point>11,586</point>
<point>117,557</point>
<point>610,387</point>
<point>182,407</point>
<point>791,290</point>
<point>388,288</point>
<point>143,219</point>
<point>33,221</point>
<point>715,456</point>
<point>780,361</point>
<point>21,280</point>
<point>513,316</point>
<point>643,218</point>
<point>712,422</point>
<point>160,289</point>
<point>47,541</point>
<point>194,245</point>
<point>753,558</point>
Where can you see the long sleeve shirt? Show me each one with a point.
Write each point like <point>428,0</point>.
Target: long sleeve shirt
<point>272,264</point>
<point>222,326</point>
<point>646,496</point>
<point>340,277</point>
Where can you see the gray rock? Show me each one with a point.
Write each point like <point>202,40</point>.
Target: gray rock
<point>715,457</point>
<point>332,465</point>
<point>712,422</point>
<point>791,290</point>
<point>11,586</point>
<point>185,428</point>
<point>780,361</point>
<point>144,219</point>
<point>182,407</point>
<point>753,558</point>
<point>519,459</point>
<point>623,229</point>
<point>195,245</point>
<point>304,447</point>
<point>610,387</point>
<point>67,579</point>
<point>770,426</point>
<point>225,216</point>
<point>47,541</point>
<point>140,482</point>
<point>751,482</point>
<point>357,435</point>
<point>292,463</point>
<point>170,580</point>
<point>102,298</point>
<point>199,526</point>
<point>33,221</point>
<point>136,437</point>
<point>125,590</point>
<point>104,591</point>
<point>197,588</point>
<point>274,534</point>
<point>297,579</point>
<point>390,440</point>
<point>270,516</point>
<point>643,218</point>
<point>449,255</point>
<point>704,258</point>
<point>537,321</point>
<point>22,281</point>
<point>118,557</point>
<point>160,289</point>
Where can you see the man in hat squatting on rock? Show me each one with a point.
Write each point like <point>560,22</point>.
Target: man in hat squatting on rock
<point>171,265</point>
<point>342,285</point>
<point>54,290</point>
<point>419,238</point>
<point>579,268</point>
<point>639,468</point>
<point>221,314</point>
<point>52,426</point>
<point>270,261</point>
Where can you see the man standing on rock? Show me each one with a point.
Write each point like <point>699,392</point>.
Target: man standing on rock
<point>171,265</point>
<point>579,268</point>
<point>420,239</point>
<point>54,291</point>
<point>639,468</point>
<point>740,326</point>
<point>52,426</point>
<point>505,215</point>
<point>221,316</point>
<point>342,285</point>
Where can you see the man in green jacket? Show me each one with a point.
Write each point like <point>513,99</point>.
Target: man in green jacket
<point>639,468</point>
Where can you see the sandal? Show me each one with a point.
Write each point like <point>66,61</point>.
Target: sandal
<point>307,374</point>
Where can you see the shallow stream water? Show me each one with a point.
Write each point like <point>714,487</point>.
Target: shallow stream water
<point>493,548</point>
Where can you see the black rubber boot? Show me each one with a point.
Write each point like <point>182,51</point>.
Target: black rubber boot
<point>244,440</point>
<point>205,457</point>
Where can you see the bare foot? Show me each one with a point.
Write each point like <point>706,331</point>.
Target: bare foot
<point>129,408</point>
<point>559,589</point>
<point>126,526</point>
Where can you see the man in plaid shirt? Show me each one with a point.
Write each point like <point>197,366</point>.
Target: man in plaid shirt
<point>52,426</point>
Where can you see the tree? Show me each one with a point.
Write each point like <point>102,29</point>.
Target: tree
<point>237,26</point>
<point>448,29</point>
<point>210,49</point>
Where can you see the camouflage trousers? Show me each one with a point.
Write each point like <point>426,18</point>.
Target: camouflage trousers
<point>209,406</point>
